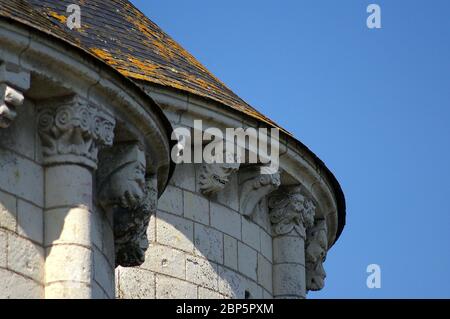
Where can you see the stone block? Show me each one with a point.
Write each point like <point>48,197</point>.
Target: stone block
<point>25,257</point>
<point>250,234</point>
<point>201,272</point>
<point>229,195</point>
<point>30,221</point>
<point>226,220</point>
<point>8,211</point>
<point>184,177</point>
<point>247,261</point>
<point>135,283</point>
<point>230,252</point>
<point>22,177</point>
<point>264,272</point>
<point>66,290</point>
<point>196,208</point>
<point>208,243</point>
<point>172,201</point>
<point>175,231</point>
<point>266,245</point>
<point>289,280</point>
<point>288,249</point>
<point>172,288</point>
<point>68,262</point>
<point>165,260</point>
<point>231,284</point>
<point>204,293</point>
<point>68,226</point>
<point>15,286</point>
<point>3,248</point>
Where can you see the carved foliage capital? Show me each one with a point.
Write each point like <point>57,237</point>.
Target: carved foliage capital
<point>291,211</point>
<point>73,130</point>
<point>315,254</point>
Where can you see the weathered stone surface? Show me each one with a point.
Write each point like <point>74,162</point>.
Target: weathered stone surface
<point>231,284</point>
<point>196,208</point>
<point>226,220</point>
<point>230,252</point>
<point>165,260</point>
<point>175,231</point>
<point>135,283</point>
<point>68,261</point>
<point>172,201</point>
<point>264,272</point>
<point>21,177</point>
<point>17,287</point>
<point>30,221</point>
<point>288,249</point>
<point>171,288</point>
<point>25,257</point>
<point>68,290</point>
<point>247,261</point>
<point>3,248</point>
<point>10,99</point>
<point>289,281</point>
<point>201,272</point>
<point>68,226</point>
<point>208,243</point>
<point>266,245</point>
<point>251,234</point>
<point>214,177</point>
<point>8,211</point>
<point>184,177</point>
<point>204,293</point>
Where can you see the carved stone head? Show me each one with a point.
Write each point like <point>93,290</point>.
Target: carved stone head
<point>121,176</point>
<point>316,250</point>
<point>291,210</point>
<point>9,100</point>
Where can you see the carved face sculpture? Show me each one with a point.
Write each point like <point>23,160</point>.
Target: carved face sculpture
<point>316,250</point>
<point>129,182</point>
<point>123,178</point>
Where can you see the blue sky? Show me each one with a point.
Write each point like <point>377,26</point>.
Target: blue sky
<point>374,105</point>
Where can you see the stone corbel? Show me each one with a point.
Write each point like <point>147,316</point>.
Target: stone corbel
<point>291,211</point>
<point>13,83</point>
<point>124,189</point>
<point>254,185</point>
<point>214,177</point>
<point>315,254</point>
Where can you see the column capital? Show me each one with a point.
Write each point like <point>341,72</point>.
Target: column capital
<point>72,130</point>
<point>291,211</point>
<point>315,254</point>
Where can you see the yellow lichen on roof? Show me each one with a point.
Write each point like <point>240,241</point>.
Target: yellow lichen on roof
<point>61,18</point>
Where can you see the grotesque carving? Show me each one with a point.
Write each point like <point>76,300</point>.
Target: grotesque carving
<point>316,250</point>
<point>124,190</point>
<point>255,187</point>
<point>9,100</point>
<point>291,210</point>
<point>214,177</point>
<point>72,130</point>
<point>13,82</point>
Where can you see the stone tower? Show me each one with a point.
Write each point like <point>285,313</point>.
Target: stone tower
<point>92,202</point>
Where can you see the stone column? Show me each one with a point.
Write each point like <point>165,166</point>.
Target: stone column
<point>71,132</point>
<point>291,214</point>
